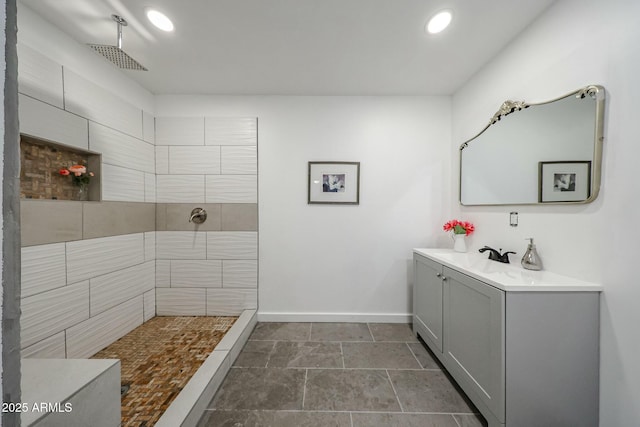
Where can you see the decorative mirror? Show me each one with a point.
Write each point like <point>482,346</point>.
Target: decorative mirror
<point>549,152</point>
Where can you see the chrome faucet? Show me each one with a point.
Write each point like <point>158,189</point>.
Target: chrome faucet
<point>496,255</point>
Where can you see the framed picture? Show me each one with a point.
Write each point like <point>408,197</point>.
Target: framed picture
<point>334,183</point>
<point>565,181</point>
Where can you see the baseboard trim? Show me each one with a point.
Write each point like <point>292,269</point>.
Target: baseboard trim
<point>336,317</point>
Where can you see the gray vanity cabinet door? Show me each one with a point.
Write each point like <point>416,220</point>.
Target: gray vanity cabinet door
<point>427,301</point>
<point>474,339</point>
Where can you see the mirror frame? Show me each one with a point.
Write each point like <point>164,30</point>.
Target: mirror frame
<point>597,93</point>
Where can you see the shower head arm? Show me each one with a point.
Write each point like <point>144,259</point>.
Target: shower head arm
<point>121,22</point>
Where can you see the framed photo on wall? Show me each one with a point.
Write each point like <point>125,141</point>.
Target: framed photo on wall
<point>334,183</point>
<point>564,181</point>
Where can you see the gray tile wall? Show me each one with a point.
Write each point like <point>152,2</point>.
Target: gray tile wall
<point>54,221</point>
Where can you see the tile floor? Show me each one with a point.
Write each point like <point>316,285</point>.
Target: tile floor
<point>151,372</point>
<point>337,374</point>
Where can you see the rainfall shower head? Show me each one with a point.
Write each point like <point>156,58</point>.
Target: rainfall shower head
<point>115,54</point>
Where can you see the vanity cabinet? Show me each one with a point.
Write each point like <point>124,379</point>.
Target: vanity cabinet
<point>524,346</point>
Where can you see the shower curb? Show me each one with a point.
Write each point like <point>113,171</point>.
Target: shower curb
<point>189,406</point>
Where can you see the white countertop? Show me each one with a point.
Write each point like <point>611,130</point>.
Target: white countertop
<point>508,277</point>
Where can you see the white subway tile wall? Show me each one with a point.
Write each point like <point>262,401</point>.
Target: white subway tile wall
<point>120,149</point>
<point>87,338</point>
<point>111,289</point>
<point>232,245</point>
<point>196,273</point>
<point>179,130</point>
<point>231,189</point>
<point>194,160</point>
<point>181,245</point>
<point>149,299</point>
<point>42,120</point>
<point>53,347</point>
<point>87,99</point>
<point>66,284</point>
<point>230,302</point>
<point>50,312</point>
<point>162,159</point>
<point>180,188</point>
<point>224,156</point>
<point>122,184</point>
<point>43,268</point>
<point>93,257</point>
<point>240,273</point>
<point>181,301</point>
<point>231,131</point>
<point>69,284</point>
<point>82,295</point>
<point>39,76</point>
<point>150,246</point>
<point>216,259</point>
<point>163,273</point>
<point>150,187</point>
<point>148,127</point>
<point>241,160</point>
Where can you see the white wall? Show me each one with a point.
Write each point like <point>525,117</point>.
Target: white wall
<point>575,43</point>
<point>341,262</point>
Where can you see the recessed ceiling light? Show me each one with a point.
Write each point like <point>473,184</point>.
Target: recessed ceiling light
<point>160,20</point>
<point>439,22</point>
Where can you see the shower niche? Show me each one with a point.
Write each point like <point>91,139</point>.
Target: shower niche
<point>49,171</point>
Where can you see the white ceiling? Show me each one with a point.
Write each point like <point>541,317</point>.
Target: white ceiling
<point>299,47</point>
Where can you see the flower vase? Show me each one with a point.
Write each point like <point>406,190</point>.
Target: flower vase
<point>82,194</point>
<point>459,243</point>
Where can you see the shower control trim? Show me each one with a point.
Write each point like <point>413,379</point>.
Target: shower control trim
<point>198,216</point>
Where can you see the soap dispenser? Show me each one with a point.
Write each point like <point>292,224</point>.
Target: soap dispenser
<point>531,260</point>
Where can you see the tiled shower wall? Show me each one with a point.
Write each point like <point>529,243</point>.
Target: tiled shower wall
<point>79,296</point>
<point>211,163</point>
<point>89,269</point>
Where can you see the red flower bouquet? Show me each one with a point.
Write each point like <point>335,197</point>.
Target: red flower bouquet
<point>459,227</point>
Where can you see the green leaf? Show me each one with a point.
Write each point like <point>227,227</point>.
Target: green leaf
<point>458,229</point>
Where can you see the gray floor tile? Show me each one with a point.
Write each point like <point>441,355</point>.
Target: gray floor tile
<point>428,391</point>
<point>349,390</point>
<point>382,355</point>
<point>255,354</point>
<point>340,332</point>
<point>402,420</point>
<point>281,331</point>
<point>306,355</point>
<point>274,419</point>
<point>470,420</point>
<point>427,361</point>
<point>392,332</point>
<point>261,388</point>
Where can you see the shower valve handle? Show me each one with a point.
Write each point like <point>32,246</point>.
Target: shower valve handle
<point>198,216</point>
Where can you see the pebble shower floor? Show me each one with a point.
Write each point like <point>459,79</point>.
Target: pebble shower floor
<point>157,360</point>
